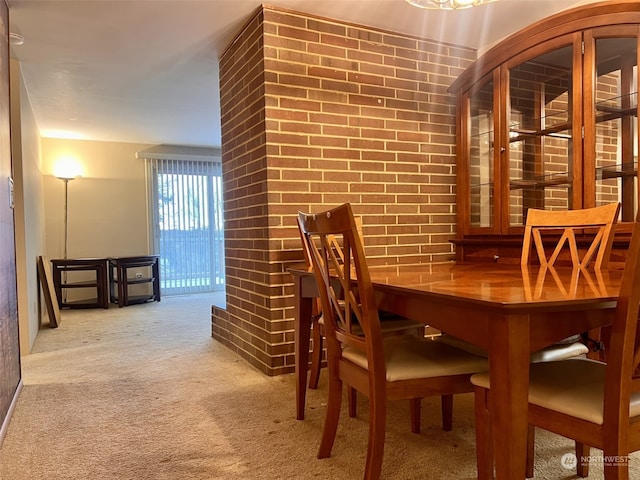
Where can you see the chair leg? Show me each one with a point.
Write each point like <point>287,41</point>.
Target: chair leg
<point>352,399</point>
<point>582,455</point>
<point>415,405</point>
<point>615,470</point>
<point>447,412</point>
<point>377,427</point>
<point>334,402</point>
<point>484,442</point>
<point>316,356</point>
<point>531,450</point>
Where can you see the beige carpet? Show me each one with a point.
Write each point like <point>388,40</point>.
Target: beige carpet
<point>143,392</point>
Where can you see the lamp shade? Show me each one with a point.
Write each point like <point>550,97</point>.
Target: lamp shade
<point>67,168</point>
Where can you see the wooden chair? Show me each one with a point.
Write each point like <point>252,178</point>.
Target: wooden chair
<point>599,225</point>
<point>596,404</point>
<point>400,367</point>
<point>391,324</point>
<point>600,221</point>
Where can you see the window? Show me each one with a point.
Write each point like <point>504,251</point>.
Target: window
<point>187,224</point>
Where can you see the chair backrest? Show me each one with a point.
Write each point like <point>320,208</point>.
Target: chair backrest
<point>335,242</point>
<point>335,245</point>
<point>623,356</point>
<point>599,221</point>
<point>342,274</point>
<point>316,307</point>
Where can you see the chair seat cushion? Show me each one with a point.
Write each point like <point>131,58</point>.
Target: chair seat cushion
<point>574,387</point>
<point>408,357</point>
<point>557,351</point>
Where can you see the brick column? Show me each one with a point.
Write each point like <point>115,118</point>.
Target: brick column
<point>315,113</point>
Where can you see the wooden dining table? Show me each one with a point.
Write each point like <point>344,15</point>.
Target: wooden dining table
<point>508,310</point>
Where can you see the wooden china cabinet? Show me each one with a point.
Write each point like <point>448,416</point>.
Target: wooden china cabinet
<point>548,118</point>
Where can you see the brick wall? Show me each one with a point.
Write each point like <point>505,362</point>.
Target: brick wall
<point>315,113</point>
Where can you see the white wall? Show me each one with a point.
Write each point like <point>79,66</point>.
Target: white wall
<point>29,210</point>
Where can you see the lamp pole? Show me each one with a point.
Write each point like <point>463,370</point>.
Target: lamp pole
<point>66,213</point>
<point>66,228</point>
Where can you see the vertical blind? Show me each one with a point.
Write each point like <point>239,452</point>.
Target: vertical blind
<point>187,224</point>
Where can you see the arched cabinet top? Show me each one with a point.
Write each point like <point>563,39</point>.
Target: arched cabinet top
<point>606,13</point>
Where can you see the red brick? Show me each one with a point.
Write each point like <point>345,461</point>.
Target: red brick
<point>316,113</point>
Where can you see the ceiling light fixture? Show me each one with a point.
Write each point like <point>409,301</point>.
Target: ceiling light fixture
<point>447,4</point>
<point>16,38</point>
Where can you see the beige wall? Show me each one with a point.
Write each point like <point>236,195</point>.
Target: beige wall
<point>29,210</point>
<point>107,205</point>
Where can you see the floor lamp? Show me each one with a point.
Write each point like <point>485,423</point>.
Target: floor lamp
<point>66,181</point>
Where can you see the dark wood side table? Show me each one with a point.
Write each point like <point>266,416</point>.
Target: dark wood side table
<point>76,274</point>
<point>121,279</point>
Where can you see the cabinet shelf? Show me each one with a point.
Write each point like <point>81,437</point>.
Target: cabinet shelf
<point>532,183</point>
<point>87,284</point>
<point>606,111</point>
<point>71,274</point>
<point>617,171</point>
<point>604,114</point>
<point>121,281</point>
<point>621,105</point>
<point>84,303</point>
<point>555,132</point>
<point>541,182</point>
<point>137,281</point>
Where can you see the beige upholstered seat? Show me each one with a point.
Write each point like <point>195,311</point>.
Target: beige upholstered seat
<point>557,351</point>
<point>594,403</point>
<point>406,359</point>
<point>383,368</point>
<point>582,396</point>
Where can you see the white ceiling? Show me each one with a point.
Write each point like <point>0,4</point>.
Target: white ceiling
<point>146,71</point>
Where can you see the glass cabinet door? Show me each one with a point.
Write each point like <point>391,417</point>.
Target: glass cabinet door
<point>481,157</point>
<point>548,119</point>
<point>541,144</point>
<point>614,123</point>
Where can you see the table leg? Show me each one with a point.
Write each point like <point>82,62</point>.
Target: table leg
<point>302,326</point>
<point>509,376</point>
